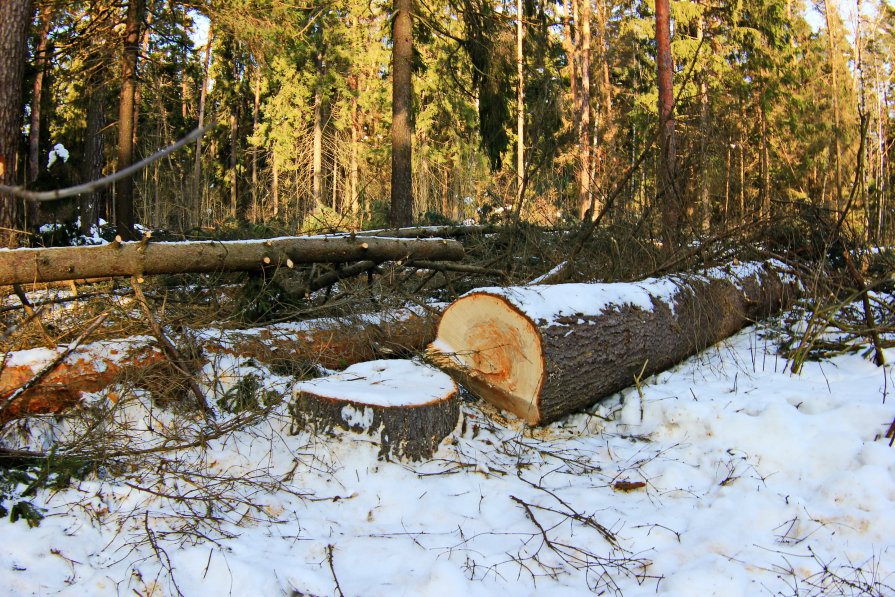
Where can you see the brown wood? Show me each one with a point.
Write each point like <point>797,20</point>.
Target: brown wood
<point>28,266</point>
<point>672,208</point>
<point>90,368</point>
<point>94,367</point>
<point>124,193</point>
<point>402,121</point>
<point>505,352</point>
<point>406,431</point>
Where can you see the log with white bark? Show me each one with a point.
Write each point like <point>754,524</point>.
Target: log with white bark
<point>27,266</point>
<point>542,352</point>
<point>412,407</point>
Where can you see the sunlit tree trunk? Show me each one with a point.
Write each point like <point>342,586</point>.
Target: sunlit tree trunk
<point>197,164</point>
<point>672,210</point>
<point>353,167</point>
<point>124,195</point>
<point>402,125</point>
<point>255,111</point>
<point>520,107</point>
<point>834,90</point>
<point>584,112</point>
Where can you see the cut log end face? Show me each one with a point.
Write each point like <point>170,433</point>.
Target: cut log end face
<point>413,407</point>
<point>501,357</point>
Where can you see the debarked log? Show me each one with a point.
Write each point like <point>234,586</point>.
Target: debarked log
<point>27,266</point>
<point>331,343</point>
<point>89,368</point>
<point>412,406</point>
<point>542,352</point>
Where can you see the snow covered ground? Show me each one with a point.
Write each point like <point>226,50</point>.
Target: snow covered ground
<point>724,476</point>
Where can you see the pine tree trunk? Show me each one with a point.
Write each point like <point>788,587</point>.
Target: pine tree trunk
<point>402,124</point>
<point>520,106</point>
<point>585,203</point>
<point>197,165</point>
<point>92,204</point>
<point>15,16</point>
<point>829,13</point>
<point>256,107</point>
<point>124,195</point>
<point>40,61</point>
<point>275,184</point>
<point>672,210</point>
<point>317,149</point>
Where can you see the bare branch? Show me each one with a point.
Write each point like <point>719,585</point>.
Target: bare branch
<point>104,182</point>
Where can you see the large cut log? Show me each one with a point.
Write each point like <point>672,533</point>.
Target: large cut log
<point>412,406</point>
<point>285,347</point>
<point>542,352</point>
<point>27,266</point>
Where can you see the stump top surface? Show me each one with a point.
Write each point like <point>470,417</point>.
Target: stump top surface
<point>386,383</point>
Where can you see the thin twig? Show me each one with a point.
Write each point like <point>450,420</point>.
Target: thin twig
<point>29,311</point>
<point>332,568</point>
<point>104,182</point>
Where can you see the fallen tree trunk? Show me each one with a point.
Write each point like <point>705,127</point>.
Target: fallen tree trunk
<point>287,348</point>
<point>89,368</point>
<point>412,407</point>
<point>542,352</point>
<point>28,266</point>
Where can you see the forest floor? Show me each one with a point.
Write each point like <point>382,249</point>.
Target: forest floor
<point>727,475</point>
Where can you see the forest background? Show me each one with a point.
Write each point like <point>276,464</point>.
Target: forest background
<point>547,109</point>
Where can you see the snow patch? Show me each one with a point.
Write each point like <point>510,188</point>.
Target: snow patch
<point>59,152</point>
<point>386,383</point>
<point>357,417</point>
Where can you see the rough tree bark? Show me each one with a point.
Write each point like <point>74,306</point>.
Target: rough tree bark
<point>26,266</point>
<point>93,204</point>
<point>545,352</point>
<point>585,203</point>
<point>413,407</point>
<point>402,124</point>
<point>672,210</point>
<point>196,219</point>
<point>15,15</point>
<point>124,195</point>
<point>40,63</point>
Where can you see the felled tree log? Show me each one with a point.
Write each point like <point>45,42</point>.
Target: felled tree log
<point>331,343</point>
<point>412,407</point>
<point>26,266</point>
<point>90,368</point>
<point>542,352</point>
<point>287,347</point>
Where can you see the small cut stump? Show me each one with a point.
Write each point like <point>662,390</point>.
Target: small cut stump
<point>412,406</point>
<point>543,352</point>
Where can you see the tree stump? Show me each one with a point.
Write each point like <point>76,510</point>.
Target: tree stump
<point>542,352</point>
<point>412,406</point>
